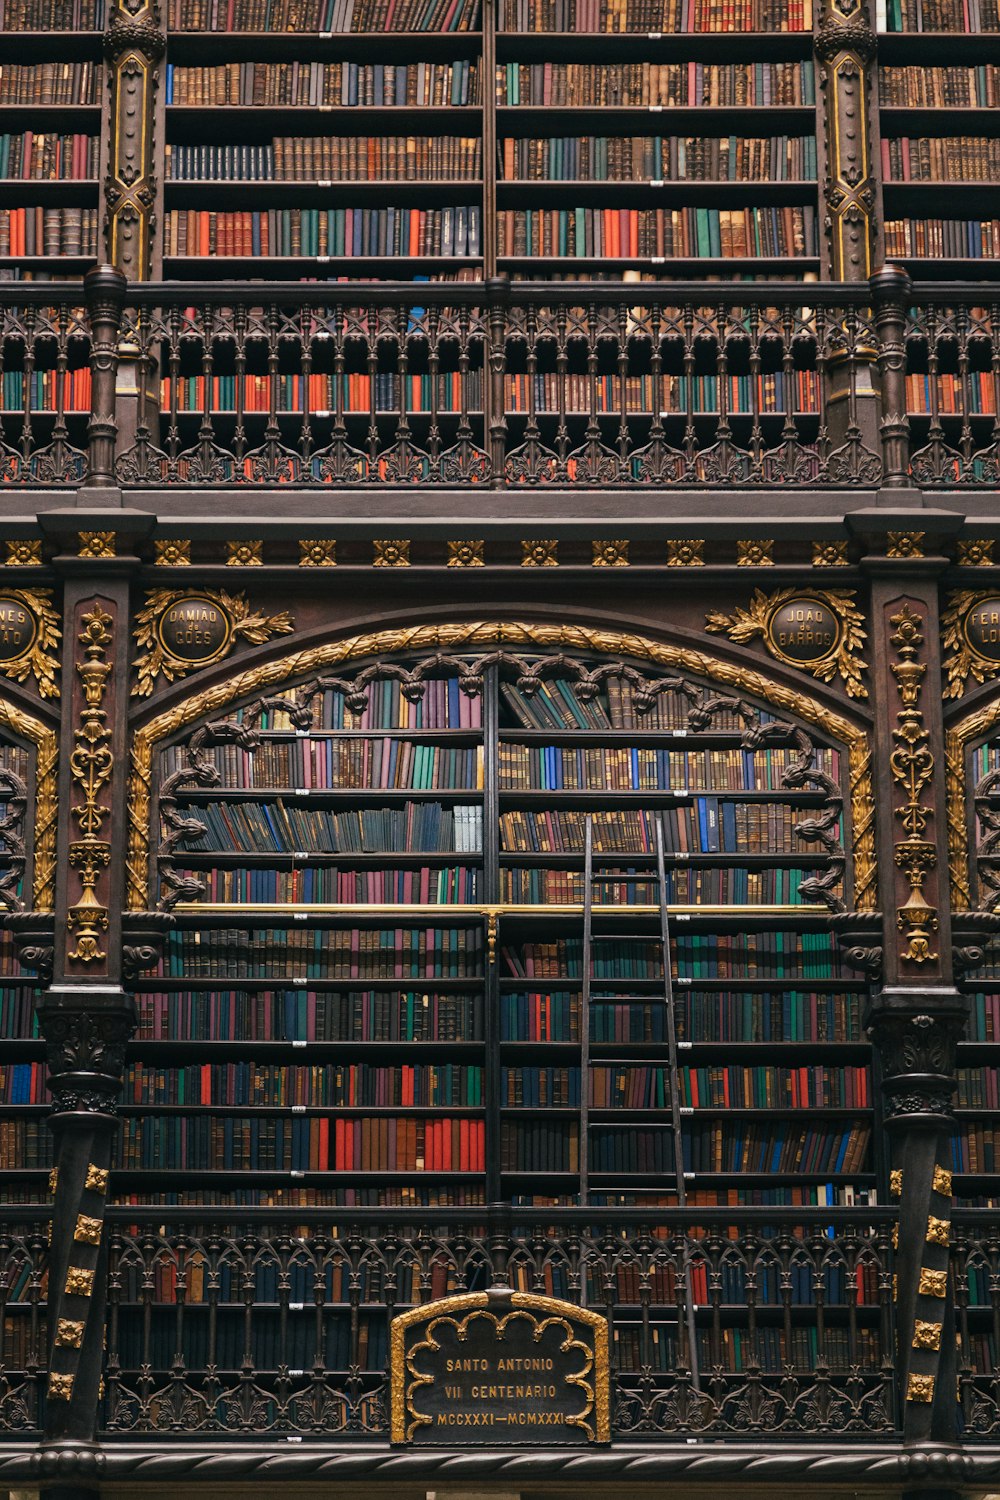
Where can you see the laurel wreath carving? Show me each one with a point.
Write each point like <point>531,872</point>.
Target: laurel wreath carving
<point>40,661</point>
<point>963,662</point>
<point>744,624</point>
<point>246,624</point>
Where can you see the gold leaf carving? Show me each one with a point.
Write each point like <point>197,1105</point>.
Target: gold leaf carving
<point>24,554</point>
<point>391,553</point>
<point>172,553</point>
<point>249,625</point>
<point>830,554</point>
<point>685,553</point>
<point>926,1335</point>
<point>960,658</point>
<point>976,553</point>
<point>610,554</point>
<point>245,554</point>
<point>79,1282</point>
<point>938,1231</point>
<point>97,544</point>
<point>942,1181</point>
<point>41,659</point>
<point>69,1333</point>
<point>468,554</point>
<point>486,634</point>
<point>87,1231</point>
<point>97,1179</point>
<point>755,554</point>
<point>746,624</point>
<point>920,1388</point>
<point>540,554</point>
<point>896,1182</point>
<point>321,552</point>
<point>60,1387</point>
<point>932,1283</point>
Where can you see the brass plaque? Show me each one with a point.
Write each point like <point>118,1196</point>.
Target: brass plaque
<point>195,629</point>
<point>500,1367</point>
<point>803,630</point>
<point>982,628</point>
<point>18,628</point>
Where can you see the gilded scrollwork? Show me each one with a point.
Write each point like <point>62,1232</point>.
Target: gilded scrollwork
<point>156,659</point>
<point>843,658</point>
<point>91,764</point>
<point>39,659</point>
<point>961,658</point>
<point>484,634</point>
<point>912,766</point>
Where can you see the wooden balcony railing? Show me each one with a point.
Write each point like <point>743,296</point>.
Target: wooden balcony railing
<point>499,385</point>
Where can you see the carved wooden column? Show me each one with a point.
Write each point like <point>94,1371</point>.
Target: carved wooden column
<point>917,1015</point>
<point>85,1015</point>
<point>845,45</point>
<point>134,44</point>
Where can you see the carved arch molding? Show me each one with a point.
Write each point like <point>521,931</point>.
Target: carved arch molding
<point>483,636</point>
<point>32,812</point>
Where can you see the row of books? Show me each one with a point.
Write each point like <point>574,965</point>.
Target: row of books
<point>9,965</point>
<point>441,705</point>
<point>17,1013</point>
<point>708,825</point>
<point>961,239</point>
<point>292,1344</point>
<point>310,1016</point>
<point>551,1015</point>
<point>445,885</point>
<point>540,1147</point>
<point>305,1143</point>
<point>50,83</point>
<point>675,396</point>
<point>269,1084</point>
<point>48,231</point>
<point>814,1087</point>
<point>641,84</point>
<point>941,88</point>
<point>417,84</point>
<point>976,1148</point>
<point>636,158</point>
<point>323,762</point>
<point>938,15</point>
<point>971,394</point>
<point>330,158</point>
<point>323,395</point>
<point>837,1281</point>
<point>46,390</point>
<point>749,955</point>
<point>978,1088</point>
<point>321,15</point>
<point>644,768</point>
<point>773,1351</point>
<point>952,158</point>
<point>656,15</point>
<point>46,157</point>
<point>315,953</point>
<point>331,231</point>
<point>202,1280</point>
<point>984,1017</point>
<point>633,233</point>
<point>687,887</point>
<point>555,704</point>
<point>286,828</point>
<point>788,1016</point>
<point>52,15</point>
<point>540,1088</point>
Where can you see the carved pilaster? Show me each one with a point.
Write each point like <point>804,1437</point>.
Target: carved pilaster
<point>85,1016</point>
<point>134,44</point>
<point>917,1017</point>
<point>845,46</point>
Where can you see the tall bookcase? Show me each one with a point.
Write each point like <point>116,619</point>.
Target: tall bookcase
<point>379,950</point>
<point>51,137</point>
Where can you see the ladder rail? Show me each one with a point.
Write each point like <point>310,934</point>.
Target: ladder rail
<point>587,956</point>
<point>675,1103</point>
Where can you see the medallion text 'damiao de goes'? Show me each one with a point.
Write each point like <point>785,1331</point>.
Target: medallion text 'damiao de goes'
<point>195,629</point>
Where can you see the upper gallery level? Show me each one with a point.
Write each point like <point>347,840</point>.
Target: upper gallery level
<point>548,395</point>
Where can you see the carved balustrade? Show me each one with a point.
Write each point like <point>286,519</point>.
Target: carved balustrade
<point>500,385</point>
